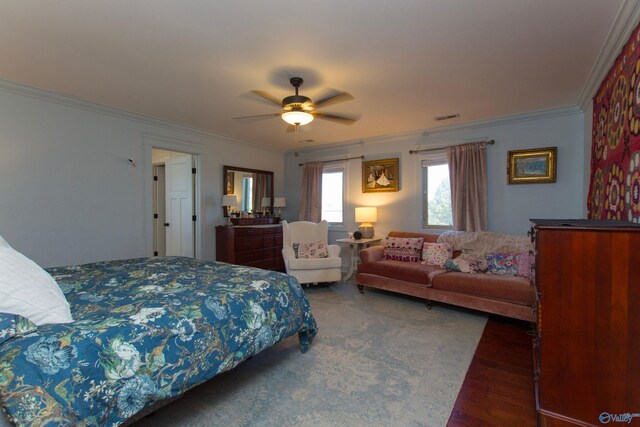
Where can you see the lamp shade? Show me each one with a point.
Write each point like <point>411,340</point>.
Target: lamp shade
<point>367,214</point>
<point>266,201</point>
<point>279,202</point>
<point>229,200</point>
<point>297,117</point>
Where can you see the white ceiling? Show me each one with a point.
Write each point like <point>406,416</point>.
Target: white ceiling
<point>193,62</point>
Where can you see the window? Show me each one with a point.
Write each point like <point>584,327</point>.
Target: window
<point>332,193</point>
<point>247,190</point>
<point>436,192</point>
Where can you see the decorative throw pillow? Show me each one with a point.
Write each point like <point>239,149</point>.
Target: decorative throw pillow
<point>503,264</point>
<point>311,250</point>
<point>28,290</point>
<point>13,325</point>
<point>525,264</point>
<point>436,253</point>
<point>403,249</point>
<point>465,264</point>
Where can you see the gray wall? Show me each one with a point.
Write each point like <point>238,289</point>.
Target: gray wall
<point>67,192</point>
<point>510,206</point>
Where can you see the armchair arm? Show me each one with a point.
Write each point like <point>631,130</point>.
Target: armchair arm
<point>334,251</point>
<point>288,253</point>
<point>371,254</point>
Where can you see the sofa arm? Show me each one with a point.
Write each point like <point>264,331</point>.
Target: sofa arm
<point>371,254</point>
<point>334,251</point>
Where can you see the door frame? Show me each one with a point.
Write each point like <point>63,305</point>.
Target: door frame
<point>150,141</point>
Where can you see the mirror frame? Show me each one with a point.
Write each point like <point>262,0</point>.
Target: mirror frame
<point>226,168</point>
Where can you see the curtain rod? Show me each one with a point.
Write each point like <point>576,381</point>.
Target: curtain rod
<point>422,150</point>
<point>337,160</point>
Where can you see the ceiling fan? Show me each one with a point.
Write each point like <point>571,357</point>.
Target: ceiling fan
<point>299,110</point>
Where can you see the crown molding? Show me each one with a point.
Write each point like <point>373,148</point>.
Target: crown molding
<point>419,136</point>
<point>81,104</point>
<point>623,26</point>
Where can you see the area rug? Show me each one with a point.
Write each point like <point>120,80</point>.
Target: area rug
<point>379,359</point>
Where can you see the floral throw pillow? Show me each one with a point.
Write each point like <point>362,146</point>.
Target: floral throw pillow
<point>436,253</point>
<point>503,264</point>
<point>525,264</point>
<point>465,264</point>
<point>311,250</point>
<point>403,249</point>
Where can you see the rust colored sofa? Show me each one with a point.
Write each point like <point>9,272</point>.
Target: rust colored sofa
<point>511,296</point>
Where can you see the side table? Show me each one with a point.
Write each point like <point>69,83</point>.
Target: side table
<point>356,247</point>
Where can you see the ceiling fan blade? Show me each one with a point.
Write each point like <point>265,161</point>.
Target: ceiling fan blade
<point>332,117</point>
<point>268,96</point>
<point>334,97</point>
<point>258,115</point>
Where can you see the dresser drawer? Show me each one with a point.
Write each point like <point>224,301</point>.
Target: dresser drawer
<point>248,231</point>
<point>268,241</point>
<point>247,243</point>
<point>249,256</point>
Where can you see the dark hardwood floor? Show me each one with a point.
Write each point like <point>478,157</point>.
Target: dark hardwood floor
<point>498,389</point>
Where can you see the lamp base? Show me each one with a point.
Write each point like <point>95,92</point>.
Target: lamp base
<point>367,231</point>
<point>229,223</point>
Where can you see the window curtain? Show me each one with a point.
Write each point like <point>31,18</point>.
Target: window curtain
<point>260,190</point>
<point>311,193</point>
<point>468,177</point>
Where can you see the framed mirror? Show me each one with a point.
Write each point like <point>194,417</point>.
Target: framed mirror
<point>252,187</point>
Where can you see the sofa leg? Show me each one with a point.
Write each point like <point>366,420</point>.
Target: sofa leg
<point>428,302</point>
<point>361,288</point>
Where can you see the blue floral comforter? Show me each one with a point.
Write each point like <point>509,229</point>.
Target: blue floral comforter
<point>145,330</point>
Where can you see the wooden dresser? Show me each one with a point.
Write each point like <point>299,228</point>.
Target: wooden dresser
<point>253,245</point>
<point>587,341</point>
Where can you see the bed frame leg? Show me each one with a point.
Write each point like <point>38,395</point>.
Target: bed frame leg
<point>361,288</point>
<point>428,303</point>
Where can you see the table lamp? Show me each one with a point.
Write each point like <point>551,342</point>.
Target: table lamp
<point>365,216</point>
<point>279,202</point>
<point>229,201</point>
<point>265,205</point>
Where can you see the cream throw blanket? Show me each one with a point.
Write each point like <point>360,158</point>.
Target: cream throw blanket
<point>480,243</point>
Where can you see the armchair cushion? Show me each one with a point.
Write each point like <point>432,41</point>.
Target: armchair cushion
<point>314,263</point>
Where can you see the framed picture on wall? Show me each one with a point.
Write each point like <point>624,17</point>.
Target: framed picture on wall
<point>534,166</point>
<point>380,175</point>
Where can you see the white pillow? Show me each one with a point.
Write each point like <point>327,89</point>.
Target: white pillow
<point>28,290</point>
<point>3,243</point>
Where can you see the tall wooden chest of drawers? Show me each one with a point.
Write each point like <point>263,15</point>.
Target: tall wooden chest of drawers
<point>256,246</point>
<point>587,341</point>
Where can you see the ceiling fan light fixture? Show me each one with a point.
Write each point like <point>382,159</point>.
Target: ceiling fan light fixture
<point>299,118</point>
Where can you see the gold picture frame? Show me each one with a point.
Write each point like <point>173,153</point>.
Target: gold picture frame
<point>380,175</point>
<point>533,166</point>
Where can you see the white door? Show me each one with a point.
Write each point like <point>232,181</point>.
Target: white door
<point>179,199</point>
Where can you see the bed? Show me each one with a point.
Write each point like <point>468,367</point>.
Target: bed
<point>145,330</point>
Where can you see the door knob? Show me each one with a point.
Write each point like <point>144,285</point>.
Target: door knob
<point>166,224</point>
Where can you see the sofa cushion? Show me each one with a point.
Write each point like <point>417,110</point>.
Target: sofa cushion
<point>413,272</point>
<point>504,288</point>
<point>314,263</point>
<point>403,249</point>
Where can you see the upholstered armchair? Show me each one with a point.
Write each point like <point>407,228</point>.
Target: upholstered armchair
<point>304,234</point>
